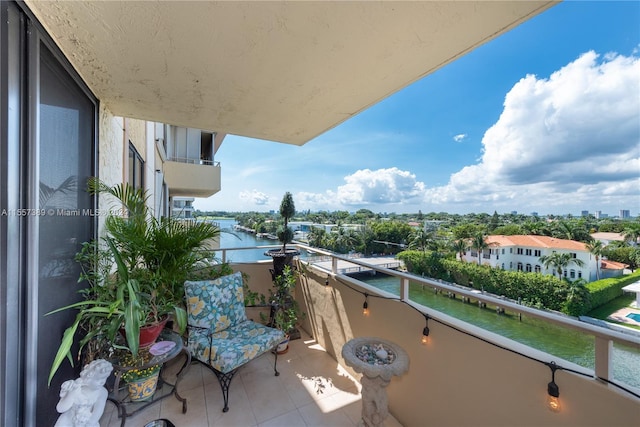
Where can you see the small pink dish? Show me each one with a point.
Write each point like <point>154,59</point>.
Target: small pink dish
<point>161,347</point>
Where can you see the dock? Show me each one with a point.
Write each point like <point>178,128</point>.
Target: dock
<point>346,267</point>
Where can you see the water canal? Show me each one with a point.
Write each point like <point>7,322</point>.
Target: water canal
<point>564,343</point>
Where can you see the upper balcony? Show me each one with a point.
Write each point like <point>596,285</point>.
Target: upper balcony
<point>462,375</point>
<point>192,177</point>
<point>190,169</point>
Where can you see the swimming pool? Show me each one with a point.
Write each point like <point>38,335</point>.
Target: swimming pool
<point>634,316</point>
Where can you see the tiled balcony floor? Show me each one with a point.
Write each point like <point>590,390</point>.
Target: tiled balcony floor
<point>312,390</point>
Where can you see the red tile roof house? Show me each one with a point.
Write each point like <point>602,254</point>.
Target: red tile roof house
<point>523,252</point>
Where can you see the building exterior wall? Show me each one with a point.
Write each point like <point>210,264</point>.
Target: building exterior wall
<point>110,148</point>
<point>507,258</point>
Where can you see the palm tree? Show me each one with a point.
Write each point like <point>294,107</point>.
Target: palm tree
<point>480,244</point>
<point>460,246</point>
<point>596,248</point>
<point>571,230</point>
<point>631,232</point>
<point>578,298</point>
<point>344,240</point>
<point>317,237</point>
<point>421,239</point>
<point>537,228</point>
<point>560,261</point>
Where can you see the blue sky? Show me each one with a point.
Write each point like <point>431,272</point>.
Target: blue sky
<point>545,118</point>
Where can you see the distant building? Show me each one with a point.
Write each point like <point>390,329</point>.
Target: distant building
<point>584,213</point>
<point>534,213</point>
<point>523,252</point>
<point>625,213</point>
<point>182,207</point>
<point>607,237</point>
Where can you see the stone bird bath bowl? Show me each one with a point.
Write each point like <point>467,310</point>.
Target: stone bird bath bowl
<point>378,360</point>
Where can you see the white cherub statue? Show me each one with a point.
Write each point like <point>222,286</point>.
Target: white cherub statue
<point>82,400</point>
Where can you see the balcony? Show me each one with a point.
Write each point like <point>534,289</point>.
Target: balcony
<point>192,178</point>
<point>462,376</point>
<point>312,389</point>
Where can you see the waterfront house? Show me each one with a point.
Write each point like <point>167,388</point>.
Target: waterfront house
<point>523,252</point>
<point>98,89</point>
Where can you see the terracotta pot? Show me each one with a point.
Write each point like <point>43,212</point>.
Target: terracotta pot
<point>149,333</point>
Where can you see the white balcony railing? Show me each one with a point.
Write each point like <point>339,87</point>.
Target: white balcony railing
<point>604,337</point>
<point>193,161</point>
<point>500,379</point>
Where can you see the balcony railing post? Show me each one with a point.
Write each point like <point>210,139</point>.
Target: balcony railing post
<point>603,354</point>
<point>334,265</point>
<point>404,289</point>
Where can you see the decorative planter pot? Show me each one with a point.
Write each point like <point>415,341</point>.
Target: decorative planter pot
<point>150,333</point>
<point>281,259</point>
<point>143,388</point>
<point>283,347</point>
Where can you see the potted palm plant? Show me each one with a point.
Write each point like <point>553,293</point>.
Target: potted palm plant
<point>152,258</point>
<point>283,256</point>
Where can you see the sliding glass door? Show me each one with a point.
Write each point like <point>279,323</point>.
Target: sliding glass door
<point>47,151</point>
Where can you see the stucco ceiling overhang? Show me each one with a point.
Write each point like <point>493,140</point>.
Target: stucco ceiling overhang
<point>280,71</point>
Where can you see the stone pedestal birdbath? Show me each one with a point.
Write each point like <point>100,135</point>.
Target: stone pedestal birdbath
<point>378,360</point>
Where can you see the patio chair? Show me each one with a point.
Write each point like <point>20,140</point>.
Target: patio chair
<point>219,334</point>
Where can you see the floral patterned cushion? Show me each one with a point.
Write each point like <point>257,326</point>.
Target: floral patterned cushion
<point>215,304</point>
<point>233,347</point>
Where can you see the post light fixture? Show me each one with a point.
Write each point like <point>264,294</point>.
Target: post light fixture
<point>425,331</point>
<point>326,281</point>
<point>553,398</point>
<point>365,306</point>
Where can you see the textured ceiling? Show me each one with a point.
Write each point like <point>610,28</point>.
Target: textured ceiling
<point>280,71</point>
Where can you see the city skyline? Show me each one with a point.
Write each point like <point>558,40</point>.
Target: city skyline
<point>544,118</point>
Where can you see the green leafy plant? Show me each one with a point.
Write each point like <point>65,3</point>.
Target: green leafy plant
<point>286,311</point>
<point>136,374</point>
<point>287,211</point>
<point>138,362</point>
<point>283,256</point>
<point>153,257</point>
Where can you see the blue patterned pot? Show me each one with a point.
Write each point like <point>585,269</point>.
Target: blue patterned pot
<point>143,388</point>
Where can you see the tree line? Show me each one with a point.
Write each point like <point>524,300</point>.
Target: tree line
<point>449,234</point>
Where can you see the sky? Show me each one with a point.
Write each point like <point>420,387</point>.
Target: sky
<point>545,118</point>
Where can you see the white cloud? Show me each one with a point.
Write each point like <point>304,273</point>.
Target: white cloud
<point>254,196</point>
<point>459,137</point>
<point>382,186</point>
<point>559,140</point>
<point>315,201</point>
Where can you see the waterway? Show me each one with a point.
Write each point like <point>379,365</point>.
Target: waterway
<point>561,342</point>
<point>230,238</point>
